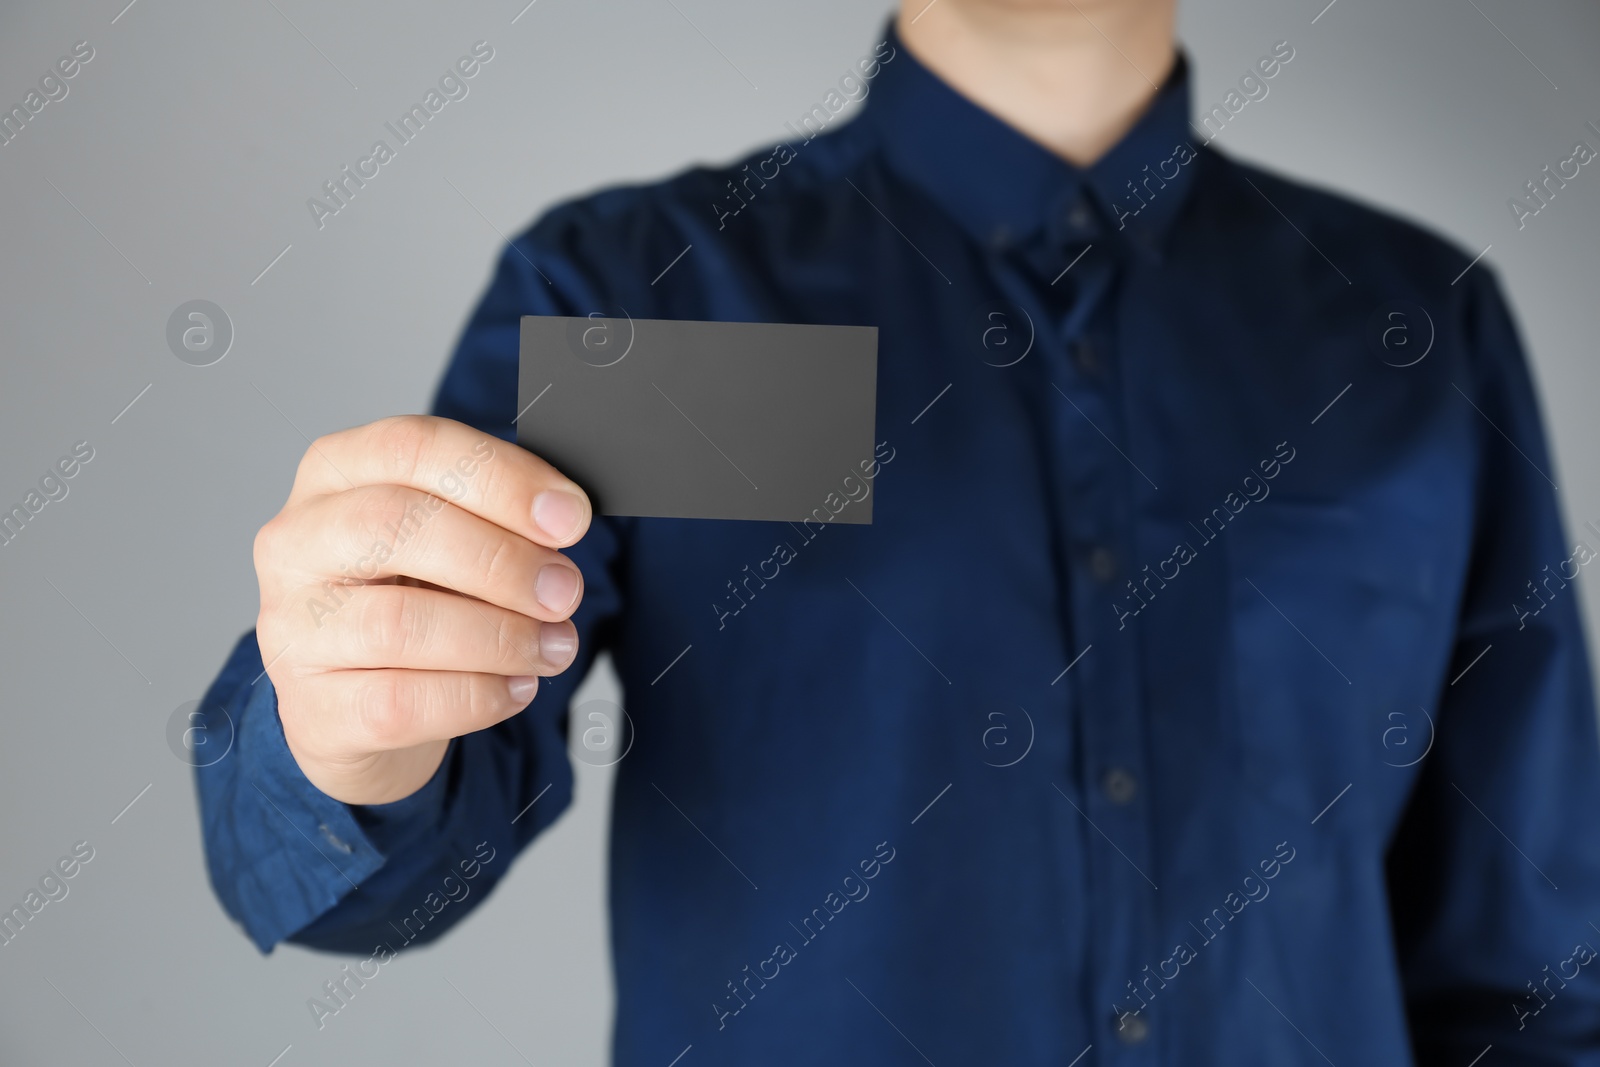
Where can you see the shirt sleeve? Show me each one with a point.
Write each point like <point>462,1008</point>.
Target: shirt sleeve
<point>1495,870</point>
<point>290,863</point>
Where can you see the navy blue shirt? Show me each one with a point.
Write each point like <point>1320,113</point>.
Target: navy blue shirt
<point>1209,687</point>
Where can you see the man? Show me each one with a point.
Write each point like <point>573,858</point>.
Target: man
<point>1207,688</point>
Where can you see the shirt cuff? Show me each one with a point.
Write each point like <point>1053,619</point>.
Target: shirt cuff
<point>299,851</point>
<point>389,827</point>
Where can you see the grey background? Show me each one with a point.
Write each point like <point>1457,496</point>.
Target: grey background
<point>192,140</point>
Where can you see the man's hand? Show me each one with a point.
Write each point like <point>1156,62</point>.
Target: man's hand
<point>411,593</point>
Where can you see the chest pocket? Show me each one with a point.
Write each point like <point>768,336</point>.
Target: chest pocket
<point>1338,641</point>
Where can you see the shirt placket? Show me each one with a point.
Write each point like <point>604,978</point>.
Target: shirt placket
<point>1094,482</point>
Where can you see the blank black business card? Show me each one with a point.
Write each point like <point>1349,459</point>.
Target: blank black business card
<point>710,420</point>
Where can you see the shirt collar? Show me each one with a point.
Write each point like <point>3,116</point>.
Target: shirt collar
<point>1001,186</point>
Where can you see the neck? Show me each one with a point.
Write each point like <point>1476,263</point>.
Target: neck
<point>1075,79</point>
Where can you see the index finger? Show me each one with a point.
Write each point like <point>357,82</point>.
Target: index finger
<point>501,482</point>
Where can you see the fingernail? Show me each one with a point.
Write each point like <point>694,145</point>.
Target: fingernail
<point>522,687</point>
<point>557,513</point>
<point>557,643</point>
<point>556,587</point>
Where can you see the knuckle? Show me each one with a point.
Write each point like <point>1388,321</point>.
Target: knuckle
<point>279,623</point>
<point>404,443</point>
<point>385,706</point>
<point>498,559</point>
<point>264,550</point>
<point>299,726</point>
<point>484,701</point>
<point>270,631</point>
<point>375,516</point>
<point>324,443</point>
<point>274,653</point>
<point>492,481</point>
<point>515,645</point>
<point>315,458</point>
<point>387,621</point>
<point>387,506</point>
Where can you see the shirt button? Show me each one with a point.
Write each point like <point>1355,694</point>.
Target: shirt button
<point>1102,565</point>
<point>1078,217</point>
<point>331,838</point>
<point>1120,786</point>
<point>1086,355</point>
<point>1132,1030</point>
